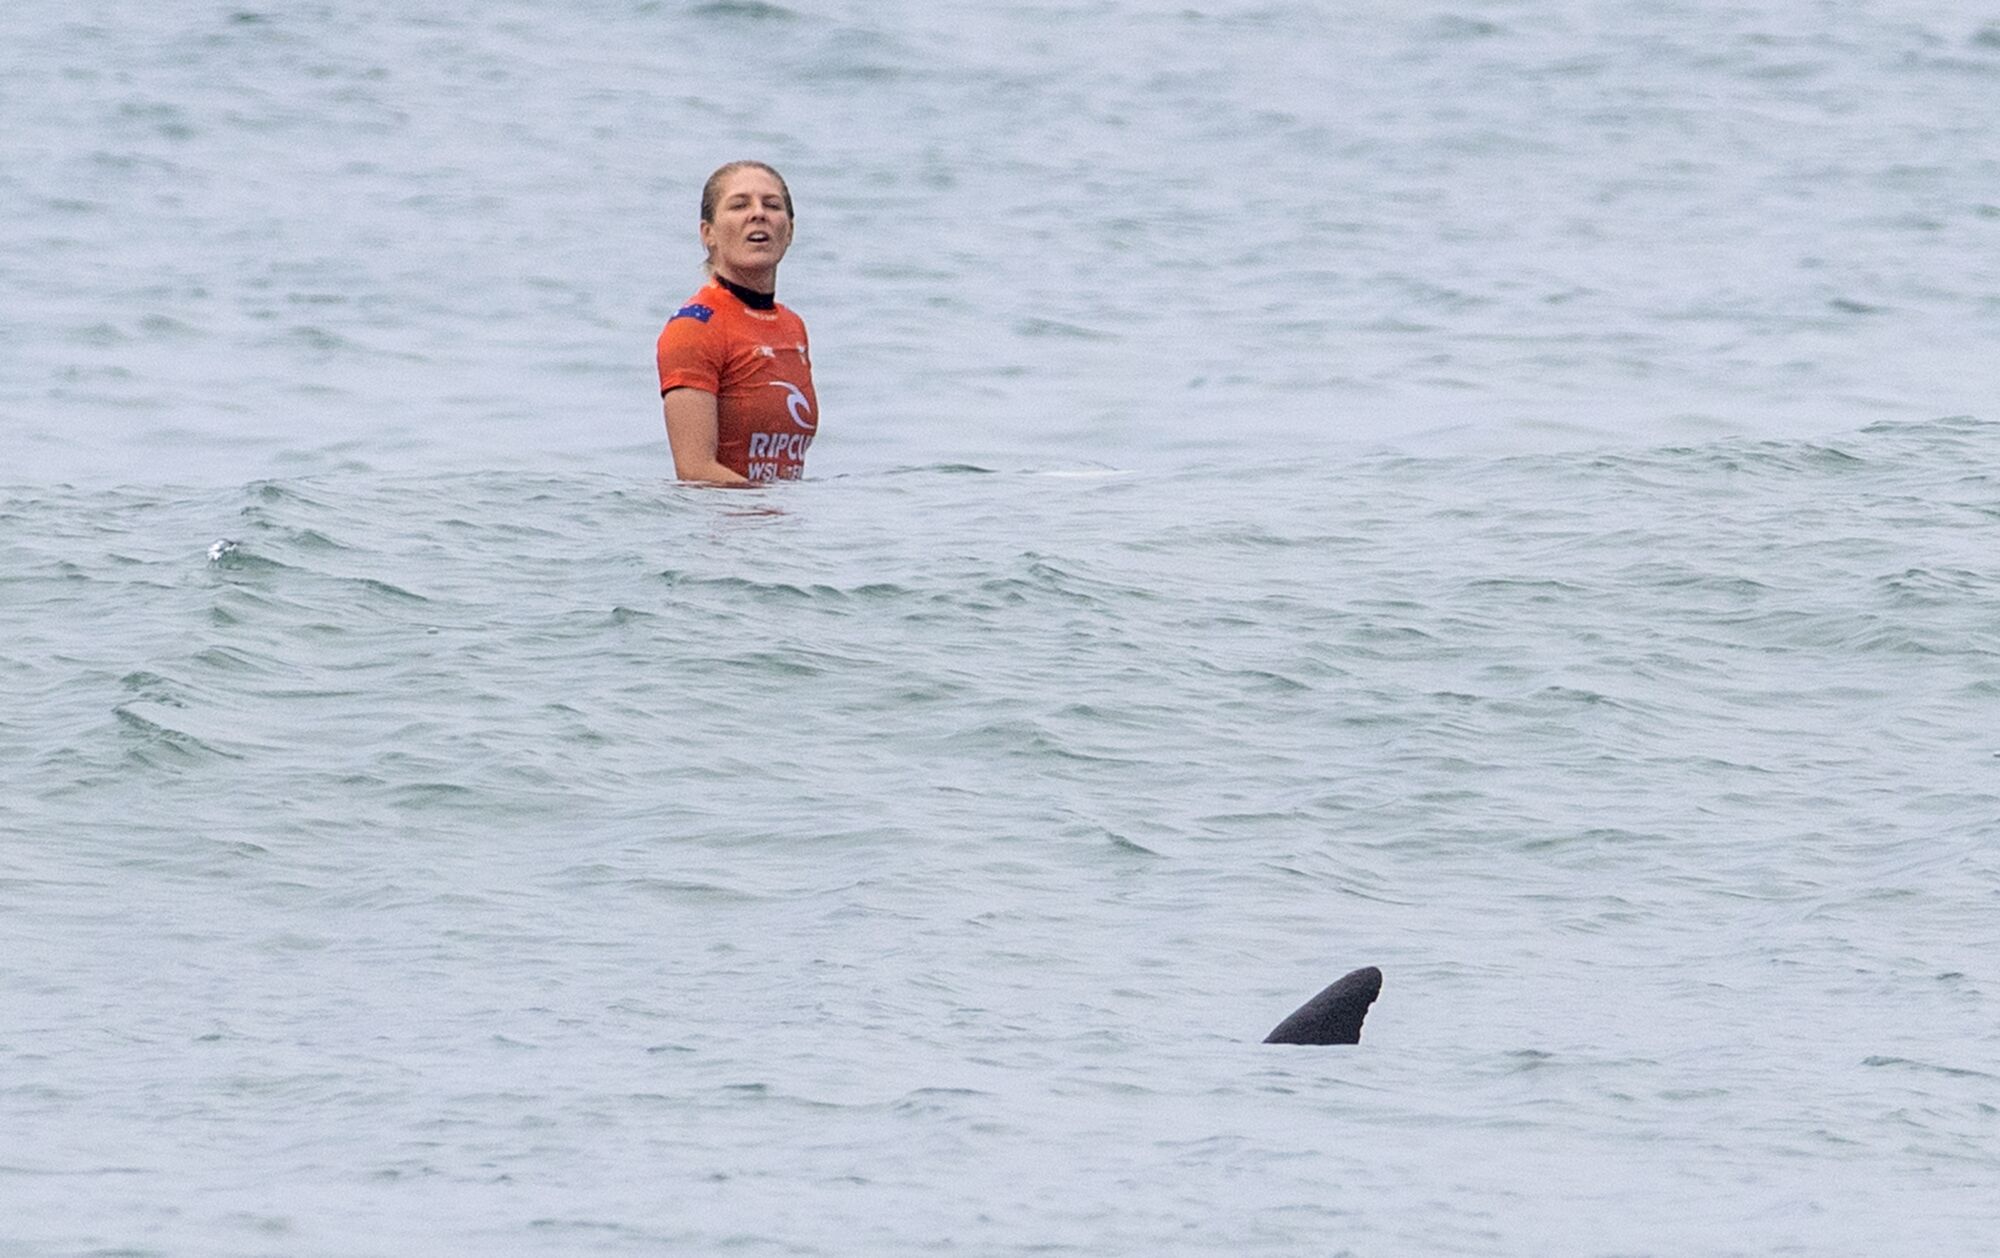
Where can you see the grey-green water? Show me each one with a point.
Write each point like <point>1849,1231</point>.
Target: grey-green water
<point>1504,493</point>
<point>580,864</point>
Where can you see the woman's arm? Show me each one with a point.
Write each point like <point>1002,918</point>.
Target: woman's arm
<point>691,431</point>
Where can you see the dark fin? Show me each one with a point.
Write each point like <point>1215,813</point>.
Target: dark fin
<point>1334,1016</point>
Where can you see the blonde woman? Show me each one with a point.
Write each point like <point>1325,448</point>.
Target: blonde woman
<point>735,373</point>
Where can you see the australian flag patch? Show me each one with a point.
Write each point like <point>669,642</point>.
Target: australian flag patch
<point>699,313</point>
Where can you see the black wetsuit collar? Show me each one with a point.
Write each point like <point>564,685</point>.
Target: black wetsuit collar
<point>749,296</point>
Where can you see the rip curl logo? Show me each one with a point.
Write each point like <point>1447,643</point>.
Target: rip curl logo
<point>797,403</point>
<point>699,313</point>
<point>777,455</point>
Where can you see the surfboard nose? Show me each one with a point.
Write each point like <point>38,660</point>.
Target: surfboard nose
<point>1334,1016</point>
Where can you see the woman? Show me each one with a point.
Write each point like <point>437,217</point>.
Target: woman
<point>735,376</point>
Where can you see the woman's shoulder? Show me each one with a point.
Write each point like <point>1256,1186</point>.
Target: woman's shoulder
<point>700,307</point>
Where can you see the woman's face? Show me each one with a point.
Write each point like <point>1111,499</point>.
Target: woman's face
<point>751,230</point>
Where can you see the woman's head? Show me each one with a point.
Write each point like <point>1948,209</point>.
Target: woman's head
<point>746,222</point>
<point>711,192</point>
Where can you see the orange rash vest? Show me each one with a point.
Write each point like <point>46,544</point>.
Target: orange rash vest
<point>756,364</point>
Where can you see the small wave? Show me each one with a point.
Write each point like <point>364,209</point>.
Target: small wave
<point>1522,1060</point>
<point>315,338</point>
<point>161,327</point>
<point>235,662</point>
<point>1056,329</point>
<point>1132,846</point>
<point>396,592</point>
<point>1457,28</point>
<point>288,491</point>
<point>82,1172</point>
<point>746,10</point>
<point>941,469</point>
<point>784,591</point>
<point>156,734</point>
<point>100,335</point>
<point>1025,740</point>
<point>422,795</point>
<point>688,891</point>
<point>1083,473</point>
<point>1906,1063</point>
<point>1931,587</point>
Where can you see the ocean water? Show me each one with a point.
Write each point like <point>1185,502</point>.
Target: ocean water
<point>1501,492</point>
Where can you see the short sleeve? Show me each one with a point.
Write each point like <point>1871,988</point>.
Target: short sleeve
<point>691,351</point>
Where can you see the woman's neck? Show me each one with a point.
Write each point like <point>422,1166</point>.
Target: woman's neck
<point>748,296</point>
